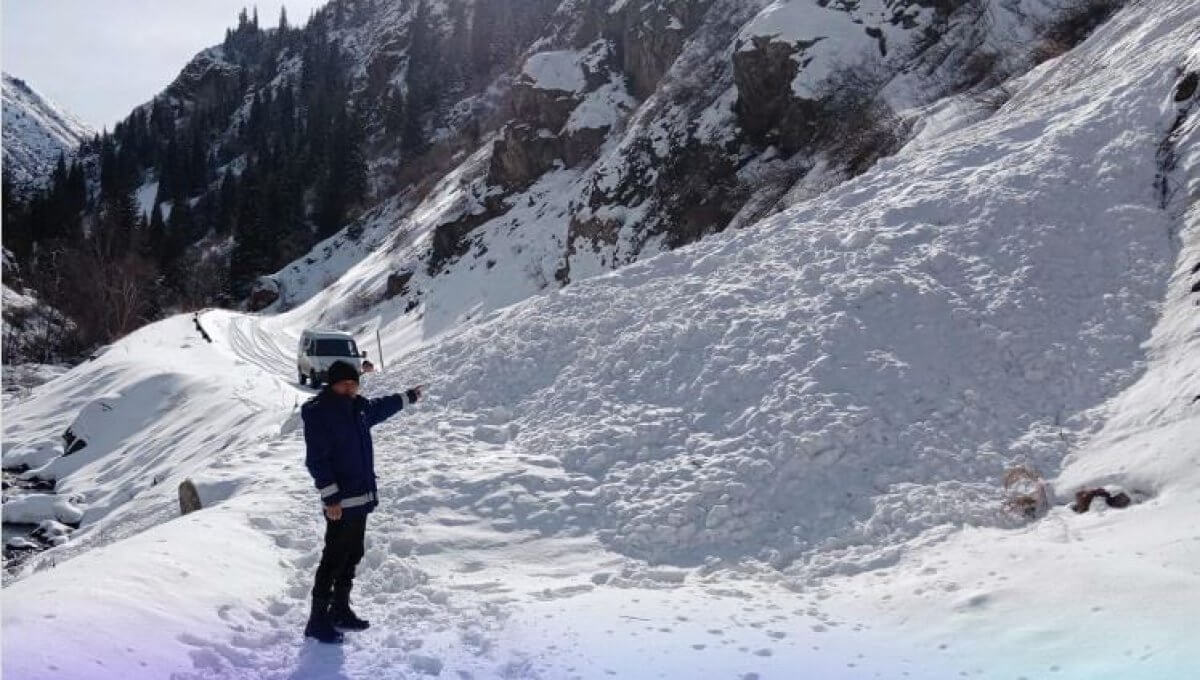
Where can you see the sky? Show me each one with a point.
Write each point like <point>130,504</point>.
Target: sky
<point>100,59</point>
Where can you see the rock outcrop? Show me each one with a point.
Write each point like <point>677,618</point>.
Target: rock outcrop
<point>767,107</point>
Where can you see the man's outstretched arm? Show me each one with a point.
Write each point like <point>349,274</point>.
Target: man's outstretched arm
<point>382,408</point>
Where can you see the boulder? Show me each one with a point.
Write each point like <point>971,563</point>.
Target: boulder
<point>265,292</point>
<point>522,154</point>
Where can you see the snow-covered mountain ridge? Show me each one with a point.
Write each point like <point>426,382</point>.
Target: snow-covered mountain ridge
<point>777,448</point>
<point>36,133</point>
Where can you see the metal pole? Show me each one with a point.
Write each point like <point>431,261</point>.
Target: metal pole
<point>379,346</point>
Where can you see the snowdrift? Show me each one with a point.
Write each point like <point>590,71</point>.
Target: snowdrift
<point>151,410</point>
<point>866,366</point>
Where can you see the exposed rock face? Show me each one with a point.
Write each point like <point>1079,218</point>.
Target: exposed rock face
<point>204,79</point>
<point>696,194</point>
<point>544,130</point>
<point>701,191</point>
<point>580,146</point>
<point>542,108</point>
<point>649,36</point>
<point>767,107</point>
<point>450,238</point>
<point>397,284</point>
<point>522,154</point>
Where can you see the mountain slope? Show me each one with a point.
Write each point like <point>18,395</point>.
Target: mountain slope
<point>36,133</point>
<point>631,158</point>
<point>472,153</point>
<point>779,447</point>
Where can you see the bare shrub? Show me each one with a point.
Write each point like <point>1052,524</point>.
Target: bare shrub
<point>857,126</point>
<point>105,296</point>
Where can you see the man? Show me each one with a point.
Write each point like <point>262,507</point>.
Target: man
<point>341,459</point>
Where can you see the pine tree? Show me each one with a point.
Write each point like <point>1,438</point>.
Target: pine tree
<point>59,176</point>
<point>155,241</point>
<point>346,178</point>
<point>118,222</point>
<point>252,240</point>
<point>18,237</point>
<point>421,97</point>
<point>226,204</point>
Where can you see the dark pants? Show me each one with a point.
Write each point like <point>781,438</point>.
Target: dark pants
<point>343,550</point>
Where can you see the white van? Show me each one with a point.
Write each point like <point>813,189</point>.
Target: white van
<point>319,349</point>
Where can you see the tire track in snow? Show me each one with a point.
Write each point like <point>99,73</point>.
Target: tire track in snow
<point>406,604</point>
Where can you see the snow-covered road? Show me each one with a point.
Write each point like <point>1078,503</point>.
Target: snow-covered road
<point>457,576</point>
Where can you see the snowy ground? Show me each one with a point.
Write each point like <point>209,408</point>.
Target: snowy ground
<point>775,454</point>
<point>447,589</point>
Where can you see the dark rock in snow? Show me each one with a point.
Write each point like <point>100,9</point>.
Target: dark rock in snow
<point>523,154</point>
<point>264,294</point>
<point>767,108</point>
<point>1187,87</point>
<point>189,497</point>
<point>397,284</point>
<point>1084,498</point>
<point>542,108</point>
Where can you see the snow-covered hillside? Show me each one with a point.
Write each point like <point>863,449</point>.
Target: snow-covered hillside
<point>36,132</point>
<point>779,448</point>
<point>500,149</point>
<point>662,123</point>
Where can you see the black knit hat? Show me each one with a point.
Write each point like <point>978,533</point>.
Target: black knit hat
<point>340,370</point>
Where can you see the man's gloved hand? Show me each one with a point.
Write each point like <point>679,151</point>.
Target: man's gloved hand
<point>415,393</point>
<point>334,512</point>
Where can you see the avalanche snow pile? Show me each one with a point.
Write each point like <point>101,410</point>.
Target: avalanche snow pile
<point>864,367</point>
<point>36,133</point>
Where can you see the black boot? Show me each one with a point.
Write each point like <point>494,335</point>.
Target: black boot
<point>319,624</point>
<point>340,613</point>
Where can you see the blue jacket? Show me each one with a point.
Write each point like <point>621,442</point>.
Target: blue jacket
<point>340,456</point>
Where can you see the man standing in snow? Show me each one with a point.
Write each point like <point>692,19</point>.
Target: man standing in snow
<point>341,459</point>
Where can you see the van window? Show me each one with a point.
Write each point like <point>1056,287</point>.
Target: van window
<point>335,348</point>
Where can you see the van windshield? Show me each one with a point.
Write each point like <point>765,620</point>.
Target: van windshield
<point>335,348</point>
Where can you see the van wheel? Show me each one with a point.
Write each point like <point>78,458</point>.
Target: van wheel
<point>312,378</point>
<point>303,379</point>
